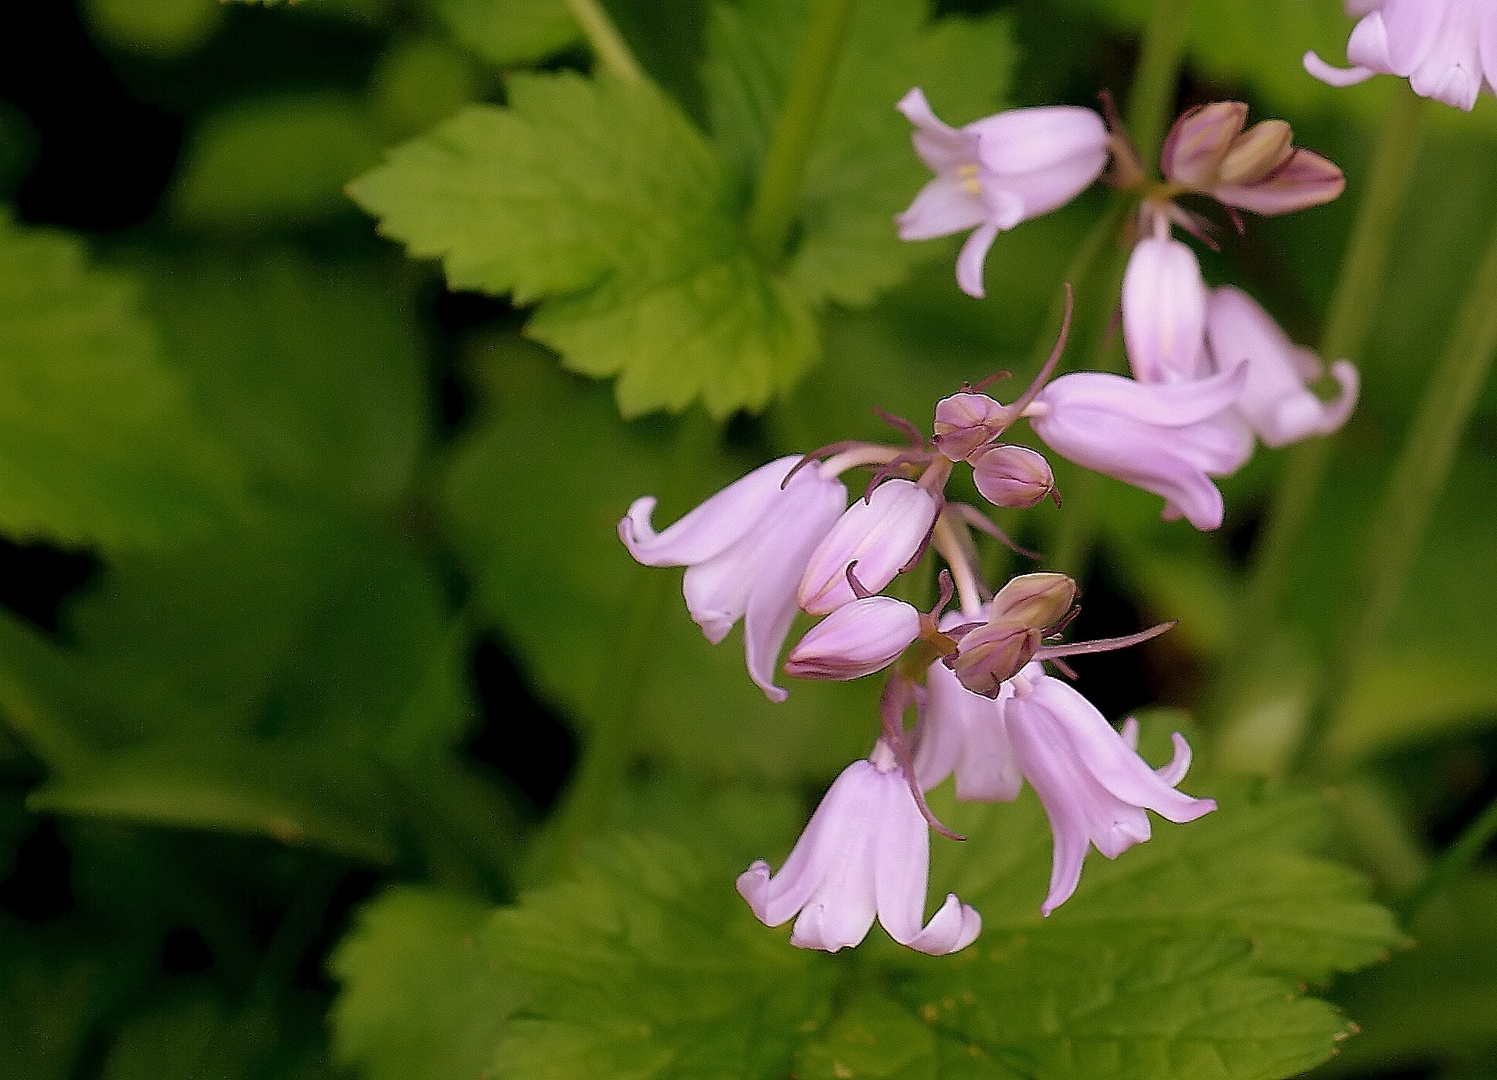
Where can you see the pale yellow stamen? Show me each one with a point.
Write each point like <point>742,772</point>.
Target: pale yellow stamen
<point>970,184</point>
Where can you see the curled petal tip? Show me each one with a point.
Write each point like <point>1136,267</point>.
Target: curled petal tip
<point>1334,76</point>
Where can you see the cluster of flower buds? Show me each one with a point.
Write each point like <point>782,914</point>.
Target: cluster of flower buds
<point>783,540</point>
<point>1447,49</point>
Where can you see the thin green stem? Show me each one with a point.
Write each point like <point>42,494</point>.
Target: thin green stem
<point>1453,862</point>
<point>778,194</point>
<point>1399,525</point>
<point>1348,326</point>
<point>604,39</point>
<point>1151,97</point>
<point>593,794</point>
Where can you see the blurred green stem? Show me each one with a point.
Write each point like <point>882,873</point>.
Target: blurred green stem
<point>1353,310</point>
<point>778,193</point>
<point>1151,98</point>
<point>593,793</point>
<point>604,39</point>
<point>1452,863</point>
<point>1398,526</point>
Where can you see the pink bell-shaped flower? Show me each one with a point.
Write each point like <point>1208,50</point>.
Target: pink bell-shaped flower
<point>857,639</point>
<point>1447,49</point>
<point>881,534</point>
<point>964,733</point>
<point>1167,438</point>
<point>1275,399</point>
<point>745,549</point>
<point>995,172</point>
<point>1090,779</point>
<point>864,853</point>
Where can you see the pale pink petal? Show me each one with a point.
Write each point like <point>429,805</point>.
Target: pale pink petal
<point>973,254</point>
<point>708,529</point>
<point>1157,404</point>
<point>942,207</point>
<point>951,929</point>
<point>881,535</point>
<point>1164,311</point>
<point>772,603</point>
<point>1334,76</point>
<point>943,148</point>
<point>1038,139</point>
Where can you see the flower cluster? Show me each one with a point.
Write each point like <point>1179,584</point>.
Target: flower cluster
<point>986,683</point>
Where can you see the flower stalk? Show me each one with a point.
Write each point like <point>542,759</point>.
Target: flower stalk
<point>778,192</point>
<point>1354,307</point>
<point>1399,526</point>
<point>606,42</point>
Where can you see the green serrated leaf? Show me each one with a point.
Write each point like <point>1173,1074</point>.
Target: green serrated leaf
<point>273,161</point>
<point>312,372</point>
<point>423,996</point>
<point>647,965</point>
<point>505,32</point>
<point>98,440</point>
<point>1240,873</point>
<point>517,522</point>
<point>601,200</point>
<point>863,170</point>
<point>1068,1004</point>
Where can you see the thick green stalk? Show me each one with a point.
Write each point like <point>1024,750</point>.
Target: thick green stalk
<point>1398,527</point>
<point>593,793</point>
<point>1151,97</point>
<point>1452,863</point>
<point>778,193</point>
<point>604,39</point>
<point>1353,310</point>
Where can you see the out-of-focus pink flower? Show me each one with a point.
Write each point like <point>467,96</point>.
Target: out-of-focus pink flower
<point>864,853</point>
<point>745,549</point>
<point>857,639</point>
<point>996,172</point>
<point>1274,399</point>
<point>880,534</point>
<point>1259,169</point>
<point>1164,311</point>
<point>1447,49</point>
<point>1167,438</point>
<point>1090,779</point>
<point>964,733</point>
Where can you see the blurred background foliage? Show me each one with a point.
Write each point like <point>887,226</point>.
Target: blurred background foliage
<point>310,584</point>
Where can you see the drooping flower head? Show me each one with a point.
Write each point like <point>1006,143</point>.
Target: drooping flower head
<point>745,550</point>
<point>996,172</point>
<point>1167,438</point>
<point>1275,398</point>
<point>864,853</point>
<point>1089,777</point>
<point>1447,49</point>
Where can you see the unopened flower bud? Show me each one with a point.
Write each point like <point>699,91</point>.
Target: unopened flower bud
<point>880,534</point>
<point>994,653</point>
<point>966,421</point>
<point>1036,600</point>
<point>1257,152</point>
<point>1012,476</point>
<point>1259,169</point>
<point>857,639</point>
<point>1199,142</point>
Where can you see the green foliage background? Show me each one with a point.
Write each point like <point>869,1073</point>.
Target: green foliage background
<point>324,510</point>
